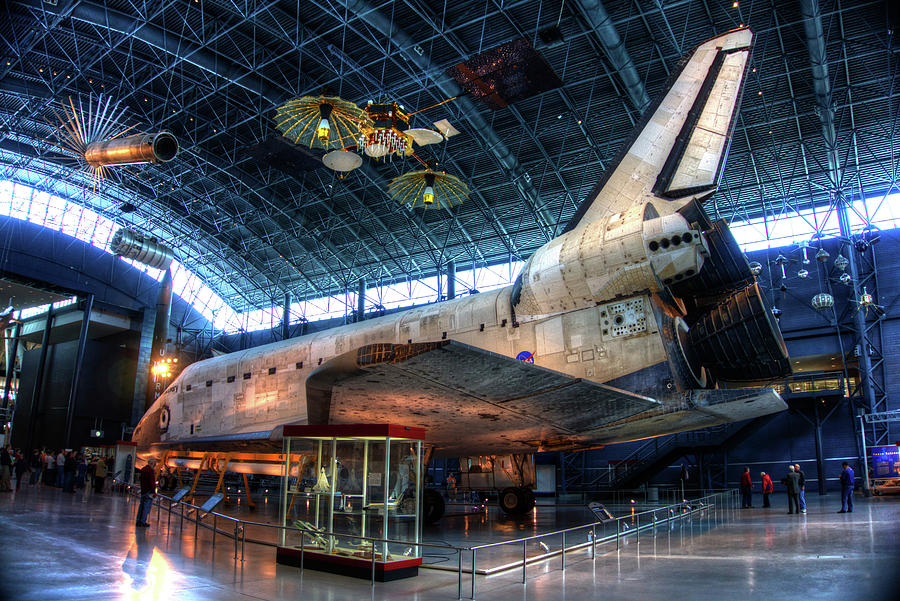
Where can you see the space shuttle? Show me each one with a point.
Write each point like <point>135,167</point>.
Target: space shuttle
<point>641,319</point>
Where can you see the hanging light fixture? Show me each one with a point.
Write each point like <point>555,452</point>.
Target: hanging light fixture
<point>429,189</point>
<point>326,122</point>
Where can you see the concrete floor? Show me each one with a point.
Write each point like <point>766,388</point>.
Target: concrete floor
<point>57,546</point>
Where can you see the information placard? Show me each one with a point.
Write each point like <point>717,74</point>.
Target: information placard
<point>886,461</point>
<point>211,502</point>
<point>179,494</point>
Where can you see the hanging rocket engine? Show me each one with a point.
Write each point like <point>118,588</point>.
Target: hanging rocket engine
<point>161,365</point>
<point>149,251</point>
<point>132,150</point>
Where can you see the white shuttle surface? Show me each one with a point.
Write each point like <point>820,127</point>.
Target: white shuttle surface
<point>628,325</point>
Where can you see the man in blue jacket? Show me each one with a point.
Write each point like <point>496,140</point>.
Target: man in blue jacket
<point>846,489</point>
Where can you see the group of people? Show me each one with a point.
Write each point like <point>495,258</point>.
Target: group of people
<point>68,470</point>
<point>795,483</point>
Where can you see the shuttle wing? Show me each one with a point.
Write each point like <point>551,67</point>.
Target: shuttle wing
<point>471,398</point>
<point>467,398</point>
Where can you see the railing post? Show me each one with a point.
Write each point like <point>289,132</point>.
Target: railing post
<point>594,542</point>
<point>524,558</point>
<point>564,551</point>
<point>459,573</point>
<point>243,539</point>
<point>169,519</point>
<point>235,540</point>
<point>215,529</point>
<point>196,524</point>
<point>473,573</point>
<point>181,524</point>
<point>302,549</point>
<point>618,520</point>
<point>373,557</point>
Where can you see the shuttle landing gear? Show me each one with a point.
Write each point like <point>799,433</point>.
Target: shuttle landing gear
<point>516,500</point>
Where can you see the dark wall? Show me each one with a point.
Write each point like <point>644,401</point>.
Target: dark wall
<point>105,392</point>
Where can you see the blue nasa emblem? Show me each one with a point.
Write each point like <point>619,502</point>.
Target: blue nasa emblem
<point>525,356</point>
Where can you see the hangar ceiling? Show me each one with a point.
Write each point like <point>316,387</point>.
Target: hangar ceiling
<point>818,120</point>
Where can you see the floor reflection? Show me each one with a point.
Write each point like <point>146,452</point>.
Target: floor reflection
<point>148,574</point>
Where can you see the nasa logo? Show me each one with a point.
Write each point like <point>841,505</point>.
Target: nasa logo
<point>164,420</point>
<point>526,356</point>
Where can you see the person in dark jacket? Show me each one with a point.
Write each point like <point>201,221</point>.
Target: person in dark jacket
<point>792,481</point>
<point>81,470</point>
<point>746,489</point>
<point>847,481</point>
<point>767,488</point>
<point>21,466</point>
<point>36,467</point>
<point>148,489</point>
<point>69,468</point>
<point>5,470</point>
<point>802,487</point>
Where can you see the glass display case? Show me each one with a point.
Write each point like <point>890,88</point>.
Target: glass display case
<point>354,489</point>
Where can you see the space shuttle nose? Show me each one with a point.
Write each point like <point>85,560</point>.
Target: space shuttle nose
<point>675,250</point>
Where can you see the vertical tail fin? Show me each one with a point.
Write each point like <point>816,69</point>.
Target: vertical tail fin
<point>678,149</point>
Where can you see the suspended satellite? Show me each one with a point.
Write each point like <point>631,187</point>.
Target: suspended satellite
<point>93,135</point>
<point>429,189</point>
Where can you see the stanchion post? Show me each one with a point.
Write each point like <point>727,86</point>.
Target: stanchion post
<point>215,529</point>
<point>564,551</point>
<point>473,573</point>
<point>373,560</point>
<point>243,539</point>
<point>617,533</point>
<point>594,542</point>
<point>235,540</point>
<point>459,573</point>
<point>524,559</point>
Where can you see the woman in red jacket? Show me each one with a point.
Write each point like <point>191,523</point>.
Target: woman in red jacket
<point>767,488</point>
<point>746,488</point>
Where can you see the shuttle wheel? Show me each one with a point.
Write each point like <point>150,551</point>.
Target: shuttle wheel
<point>433,506</point>
<point>516,501</point>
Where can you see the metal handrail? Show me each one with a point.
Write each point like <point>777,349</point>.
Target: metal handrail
<point>693,506</point>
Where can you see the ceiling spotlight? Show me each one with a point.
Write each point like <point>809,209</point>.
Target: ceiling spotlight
<point>428,193</point>
<point>822,255</point>
<point>324,130</point>
<point>803,274</point>
<point>846,280</point>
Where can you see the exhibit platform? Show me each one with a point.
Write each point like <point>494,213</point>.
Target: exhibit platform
<point>82,546</point>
